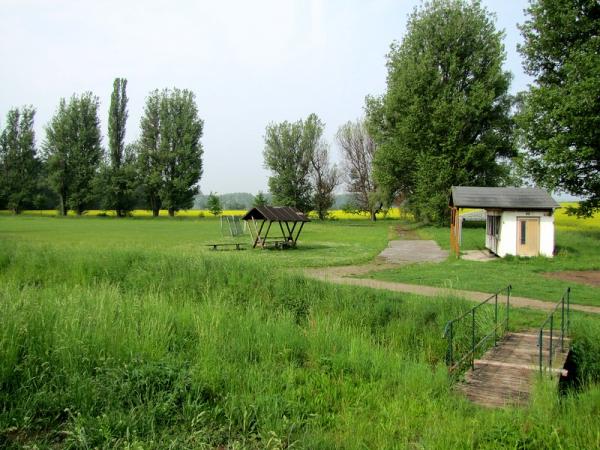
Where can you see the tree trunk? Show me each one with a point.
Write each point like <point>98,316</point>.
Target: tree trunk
<point>171,212</point>
<point>373,216</point>
<point>155,212</point>
<point>63,211</point>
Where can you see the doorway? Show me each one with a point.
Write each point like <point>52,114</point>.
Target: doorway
<point>528,236</point>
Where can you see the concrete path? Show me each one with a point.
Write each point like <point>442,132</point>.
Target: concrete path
<point>412,251</point>
<point>336,275</point>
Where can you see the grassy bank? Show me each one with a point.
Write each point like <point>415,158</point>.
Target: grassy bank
<point>139,348</point>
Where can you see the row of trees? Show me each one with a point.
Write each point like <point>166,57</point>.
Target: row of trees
<point>160,170</point>
<point>447,118</point>
<point>302,173</point>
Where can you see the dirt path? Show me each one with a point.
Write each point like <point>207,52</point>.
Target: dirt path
<point>339,275</point>
<point>409,249</point>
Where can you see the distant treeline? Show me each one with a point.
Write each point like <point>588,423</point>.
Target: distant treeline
<point>245,200</point>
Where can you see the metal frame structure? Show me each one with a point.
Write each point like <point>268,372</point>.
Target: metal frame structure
<point>500,327</point>
<point>565,310</point>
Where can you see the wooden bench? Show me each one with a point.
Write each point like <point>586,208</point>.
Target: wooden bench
<point>238,245</point>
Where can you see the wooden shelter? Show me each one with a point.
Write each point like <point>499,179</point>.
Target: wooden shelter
<point>287,220</point>
<point>519,221</point>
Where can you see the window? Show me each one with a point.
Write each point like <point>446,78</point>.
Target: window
<point>523,232</point>
<point>493,226</point>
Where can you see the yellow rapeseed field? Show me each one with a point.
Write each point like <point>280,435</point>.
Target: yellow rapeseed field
<point>562,219</point>
<point>393,213</point>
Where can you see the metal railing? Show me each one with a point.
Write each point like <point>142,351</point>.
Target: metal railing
<point>454,361</point>
<point>564,306</point>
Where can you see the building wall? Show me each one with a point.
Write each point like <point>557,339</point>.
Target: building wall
<point>507,244</point>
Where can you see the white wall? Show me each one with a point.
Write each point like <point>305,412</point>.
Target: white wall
<point>507,244</point>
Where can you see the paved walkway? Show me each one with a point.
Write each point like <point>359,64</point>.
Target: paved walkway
<point>412,251</point>
<point>339,275</point>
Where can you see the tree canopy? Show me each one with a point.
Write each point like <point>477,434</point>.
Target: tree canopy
<point>358,149</point>
<point>560,116</point>
<point>288,154</point>
<point>119,177</point>
<point>445,117</point>
<point>73,151</point>
<point>171,152</point>
<point>19,165</point>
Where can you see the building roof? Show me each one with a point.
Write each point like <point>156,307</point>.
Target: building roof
<point>501,197</point>
<point>283,213</point>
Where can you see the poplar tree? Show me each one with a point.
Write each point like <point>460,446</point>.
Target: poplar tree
<point>170,157</point>
<point>445,117</point>
<point>73,152</point>
<point>119,176</point>
<point>19,165</point>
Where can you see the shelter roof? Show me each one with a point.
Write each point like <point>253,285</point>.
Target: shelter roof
<point>501,197</point>
<point>283,213</point>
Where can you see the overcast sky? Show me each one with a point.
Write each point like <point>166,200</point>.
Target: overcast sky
<point>248,63</point>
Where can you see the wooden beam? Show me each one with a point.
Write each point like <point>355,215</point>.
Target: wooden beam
<point>258,234</point>
<point>266,234</point>
<point>563,372</point>
<point>290,232</point>
<point>299,231</point>
<point>282,232</point>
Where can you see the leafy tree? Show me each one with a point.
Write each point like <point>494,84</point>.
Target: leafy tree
<point>119,177</point>
<point>289,148</point>
<point>73,151</point>
<point>171,152</point>
<point>19,165</point>
<point>260,199</point>
<point>325,179</point>
<point>561,112</point>
<point>151,160</point>
<point>358,148</point>
<point>214,204</point>
<point>119,187</point>
<point>445,117</point>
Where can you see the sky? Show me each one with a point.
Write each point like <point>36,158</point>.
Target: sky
<point>248,63</point>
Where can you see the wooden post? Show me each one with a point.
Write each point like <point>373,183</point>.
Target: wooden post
<point>454,230</point>
<point>258,234</point>
<point>266,234</point>
<point>298,235</point>
<point>290,232</point>
<point>282,232</point>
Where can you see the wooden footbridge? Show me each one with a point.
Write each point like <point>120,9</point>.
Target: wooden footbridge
<point>501,366</point>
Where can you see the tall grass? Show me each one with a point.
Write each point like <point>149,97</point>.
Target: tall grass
<point>133,348</point>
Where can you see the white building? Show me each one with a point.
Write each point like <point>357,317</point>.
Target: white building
<point>519,221</point>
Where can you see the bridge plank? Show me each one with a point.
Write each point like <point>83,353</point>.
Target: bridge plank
<point>506,373</point>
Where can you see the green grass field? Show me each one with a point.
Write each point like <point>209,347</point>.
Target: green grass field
<point>322,243</point>
<point>577,245</point>
<point>129,334</point>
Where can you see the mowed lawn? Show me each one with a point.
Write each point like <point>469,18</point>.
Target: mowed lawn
<point>577,248</point>
<point>321,243</point>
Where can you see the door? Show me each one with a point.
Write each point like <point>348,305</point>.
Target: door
<point>528,236</point>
